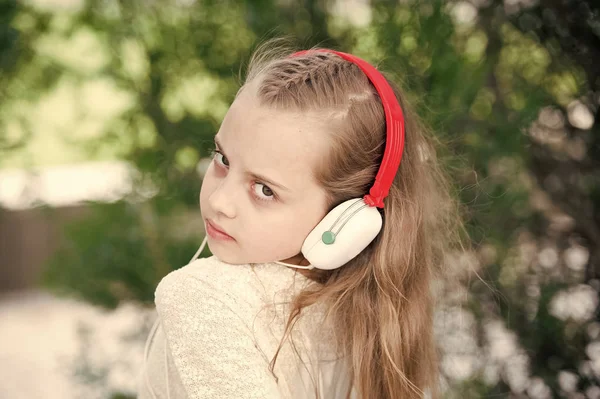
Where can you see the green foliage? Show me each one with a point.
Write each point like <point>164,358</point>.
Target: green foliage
<point>118,253</point>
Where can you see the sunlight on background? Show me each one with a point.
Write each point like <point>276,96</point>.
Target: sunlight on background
<point>55,334</point>
<point>65,185</point>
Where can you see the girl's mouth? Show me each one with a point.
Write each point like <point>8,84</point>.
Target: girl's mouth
<point>216,232</point>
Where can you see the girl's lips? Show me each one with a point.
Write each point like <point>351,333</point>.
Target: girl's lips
<point>215,232</point>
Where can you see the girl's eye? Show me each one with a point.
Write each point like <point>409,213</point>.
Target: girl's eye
<point>264,194</point>
<point>218,155</point>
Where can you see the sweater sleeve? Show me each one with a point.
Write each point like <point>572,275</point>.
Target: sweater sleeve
<point>211,341</point>
<point>159,378</point>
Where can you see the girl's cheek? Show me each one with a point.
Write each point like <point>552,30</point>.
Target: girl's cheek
<point>208,181</point>
<point>218,171</point>
<point>214,172</point>
<point>211,180</point>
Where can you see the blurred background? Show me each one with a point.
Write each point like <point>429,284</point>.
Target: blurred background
<point>107,112</point>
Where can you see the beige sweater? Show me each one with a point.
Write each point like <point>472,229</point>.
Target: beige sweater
<point>219,326</point>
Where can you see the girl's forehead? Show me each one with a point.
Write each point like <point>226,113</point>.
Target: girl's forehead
<point>286,146</point>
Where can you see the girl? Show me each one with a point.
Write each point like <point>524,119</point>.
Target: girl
<point>312,291</point>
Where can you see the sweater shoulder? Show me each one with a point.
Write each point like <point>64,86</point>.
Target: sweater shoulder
<point>241,287</point>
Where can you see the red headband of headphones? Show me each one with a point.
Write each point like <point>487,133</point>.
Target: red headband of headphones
<point>394,120</point>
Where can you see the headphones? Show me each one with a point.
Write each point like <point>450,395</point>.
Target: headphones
<point>352,225</point>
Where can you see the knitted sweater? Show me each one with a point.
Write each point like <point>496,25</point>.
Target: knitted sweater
<point>218,327</point>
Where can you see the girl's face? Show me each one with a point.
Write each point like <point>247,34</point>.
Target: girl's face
<point>259,188</point>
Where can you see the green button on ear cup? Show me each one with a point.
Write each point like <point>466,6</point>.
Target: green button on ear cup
<point>328,237</point>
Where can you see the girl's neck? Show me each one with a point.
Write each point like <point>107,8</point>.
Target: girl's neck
<point>314,274</point>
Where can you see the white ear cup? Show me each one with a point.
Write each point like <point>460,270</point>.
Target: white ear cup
<point>342,234</point>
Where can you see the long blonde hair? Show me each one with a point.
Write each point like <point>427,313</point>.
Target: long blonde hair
<point>381,302</point>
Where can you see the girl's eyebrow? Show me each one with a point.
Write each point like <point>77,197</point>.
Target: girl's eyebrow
<point>254,176</point>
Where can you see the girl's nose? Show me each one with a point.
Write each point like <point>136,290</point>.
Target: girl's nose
<point>222,199</point>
